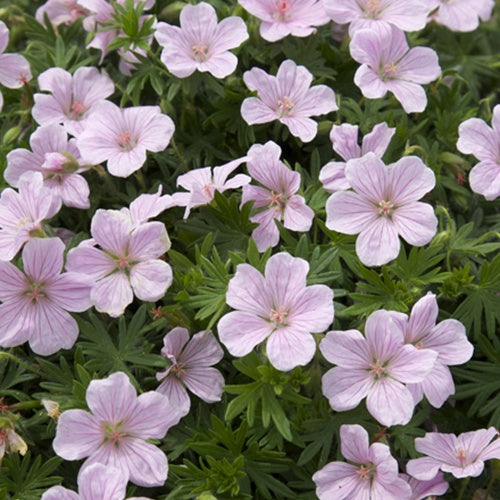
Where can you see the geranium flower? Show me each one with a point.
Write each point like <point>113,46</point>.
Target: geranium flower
<point>58,160</point>
<point>60,12</point>
<point>122,136</point>
<point>115,431</point>
<point>345,143</point>
<point>286,17</point>
<point>72,98</point>
<point>276,197</point>
<point>383,207</point>
<point>201,43</point>
<point>375,366</point>
<point>287,97</point>
<point>203,182</point>
<point>436,486</point>
<point>373,473</point>
<point>278,307</point>
<point>127,262</point>
<point>14,68</point>
<point>463,456</point>
<point>407,15</point>
<point>476,138</point>
<point>22,213</point>
<point>388,64</point>
<point>35,304</point>
<point>460,15</point>
<point>191,368</point>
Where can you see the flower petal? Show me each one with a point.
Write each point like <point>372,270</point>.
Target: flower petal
<point>345,388</point>
<point>206,383</point>
<point>203,350</point>
<point>287,348</point>
<point>112,294</point>
<point>378,244</point>
<point>150,279</point>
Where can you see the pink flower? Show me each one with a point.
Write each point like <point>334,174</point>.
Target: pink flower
<point>388,64</point>
<point>58,160</point>
<point>448,339</point>
<point>35,304</point>
<point>22,213</point>
<point>461,15</point>
<point>287,97</point>
<point>72,98</point>
<point>436,486</point>
<point>191,368</point>
<point>203,182</point>
<point>128,263</point>
<point>383,207</point>
<point>122,136</point>
<point>375,366</point>
<point>14,68</point>
<point>476,138</point>
<point>407,15</point>
<point>372,475</point>
<point>276,199</point>
<point>147,206</point>
<point>201,43</point>
<point>60,12</point>
<point>345,143</point>
<point>286,17</point>
<point>95,482</point>
<point>279,307</point>
<point>463,456</point>
<point>116,430</point>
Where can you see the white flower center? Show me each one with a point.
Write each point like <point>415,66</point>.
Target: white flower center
<point>372,9</point>
<point>278,316</point>
<point>285,106</point>
<point>200,52</point>
<point>125,141</point>
<point>385,208</point>
<point>78,109</point>
<point>282,10</point>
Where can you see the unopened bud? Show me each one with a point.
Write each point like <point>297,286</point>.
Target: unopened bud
<point>52,408</point>
<point>11,135</point>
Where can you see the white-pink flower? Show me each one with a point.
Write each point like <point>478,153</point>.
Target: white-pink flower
<point>58,160</point>
<point>436,486</point>
<point>202,183</point>
<point>388,64</point>
<point>383,206</point>
<point>201,43</point>
<point>463,456</point>
<point>127,262</point>
<point>71,98</point>
<point>35,303</point>
<point>116,431</point>
<point>476,138</point>
<point>286,17</point>
<point>122,136</point>
<point>276,197</point>
<point>376,366</point>
<point>461,15</point>
<point>14,68</point>
<point>372,475</point>
<point>60,12</point>
<point>22,213</point>
<point>191,368</point>
<point>345,143</point>
<point>278,307</point>
<point>287,97</point>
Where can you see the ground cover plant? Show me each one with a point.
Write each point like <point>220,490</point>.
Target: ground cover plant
<point>249,249</point>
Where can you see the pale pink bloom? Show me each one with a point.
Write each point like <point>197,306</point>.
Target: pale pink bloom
<point>35,304</point>
<point>60,12</point>
<point>447,338</point>
<point>278,307</point>
<point>203,182</point>
<point>22,213</point>
<point>476,138</point>
<point>287,97</point>
<point>388,64</point>
<point>407,15</point>
<point>58,160</point>
<point>345,143</point>
<point>201,43</point>
<point>461,15</point>
<point>72,98</point>
<point>116,431</point>
<point>122,136</point>
<point>463,456</point>
<point>276,197</point>
<point>286,17</point>
<point>14,68</point>
<point>384,206</point>
<point>147,206</point>
<point>191,368</point>
<point>436,486</point>
<point>127,262</point>
<point>372,475</point>
<point>376,366</point>
<point>95,482</point>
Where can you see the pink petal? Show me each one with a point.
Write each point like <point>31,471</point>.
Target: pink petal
<point>438,386</point>
<point>293,80</point>
<point>369,82</point>
<point>396,489</point>
<point>112,294</point>
<point>303,128</point>
<point>12,281</point>
<point>43,258</point>
<point>298,216</point>
<point>206,383</point>
<point>333,178</point>
<point>378,244</point>
<point>484,179</point>
<point>75,191</point>
<point>422,319</point>
<point>254,111</point>
<point>449,339</point>
<point>411,95</point>
<point>410,180</point>
<point>340,481</point>
<point>111,230</point>
<point>312,310</point>
<point>220,65</point>
<point>60,493</point>
<point>16,322</point>
<point>345,141</point>
<point>199,21</point>
<point>345,388</point>
<point>369,177</point>
<point>90,261</point>
<point>148,241</point>
<point>14,70</point>
<point>265,85</point>
<point>384,337</point>
<point>125,163</point>
<point>90,86</point>
<point>419,65</point>
<point>354,443</point>
<point>377,141</point>
<point>231,32</point>
<point>348,349</point>
<point>287,348</point>
<point>318,100</point>
<point>424,468</point>
<point>71,291</point>
<point>272,32</point>
<point>4,36</point>
<point>415,222</point>
<point>176,393</point>
<point>173,343</point>
<point>410,365</point>
<point>349,213</point>
<point>203,350</point>
<point>150,279</point>
<point>99,481</point>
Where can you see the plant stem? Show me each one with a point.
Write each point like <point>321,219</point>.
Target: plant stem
<point>465,482</point>
<point>179,155</point>
<point>19,362</point>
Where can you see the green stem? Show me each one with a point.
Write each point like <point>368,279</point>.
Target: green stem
<point>26,405</point>
<point>19,362</point>
<point>179,155</point>
<point>461,493</point>
<point>489,488</point>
